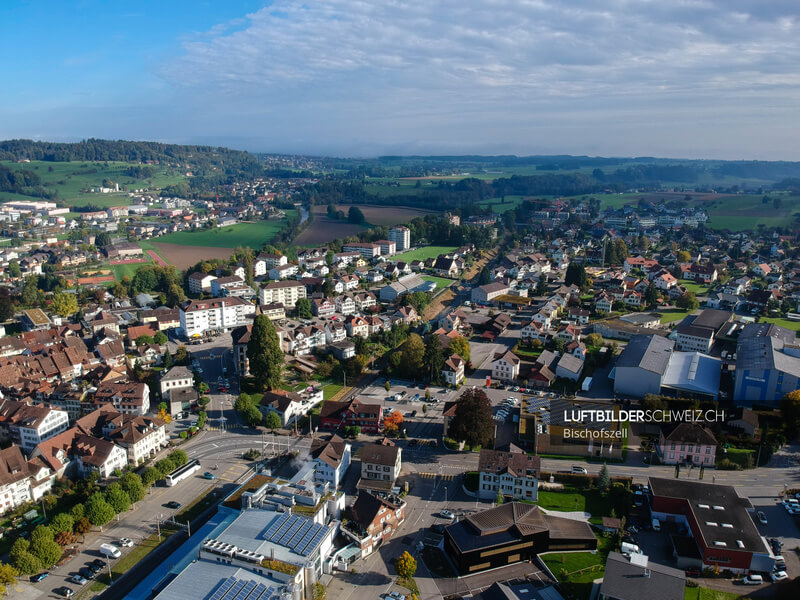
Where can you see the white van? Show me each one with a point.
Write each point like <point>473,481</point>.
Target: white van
<point>656,525</point>
<point>110,551</point>
<point>627,548</point>
<point>578,469</point>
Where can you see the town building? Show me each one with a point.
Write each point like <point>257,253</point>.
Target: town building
<point>686,443</point>
<point>338,415</point>
<point>177,377</point>
<point>721,532</point>
<point>486,293</point>
<point>27,426</point>
<point>634,576</point>
<point>282,292</point>
<point>453,370</point>
<point>505,366</point>
<point>331,460</point>
<point>200,282</point>
<point>380,466</point>
<point>767,365</point>
<point>366,250</point>
<point>512,473</point>
<point>127,397</point>
<point>401,236</point>
<point>511,533</point>
<point>373,520</point>
<point>21,480</point>
<point>203,317</point>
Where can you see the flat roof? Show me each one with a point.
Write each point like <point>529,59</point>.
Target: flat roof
<point>693,372</point>
<point>202,578</point>
<point>721,514</point>
<point>625,580</point>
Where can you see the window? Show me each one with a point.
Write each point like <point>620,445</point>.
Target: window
<point>672,446</point>
<point>683,447</point>
<point>671,455</point>
<point>708,449</point>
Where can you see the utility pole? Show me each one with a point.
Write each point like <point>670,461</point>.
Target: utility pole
<point>108,563</point>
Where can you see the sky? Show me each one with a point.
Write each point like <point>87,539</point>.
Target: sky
<point>675,78</point>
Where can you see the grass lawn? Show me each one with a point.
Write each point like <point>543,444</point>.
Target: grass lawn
<point>148,245</point>
<point>577,570</point>
<point>121,271</point>
<point>441,282</point>
<point>701,593</point>
<point>572,499</point>
<point>424,253</point>
<point>525,352</point>
<point>254,235</point>
<point>498,205</point>
<point>330,390</point>
<point>671,315</point>
<point>793,325</point>
<point>691,286</point>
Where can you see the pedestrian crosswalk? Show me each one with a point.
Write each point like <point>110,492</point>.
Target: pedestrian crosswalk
<point>435,475</point>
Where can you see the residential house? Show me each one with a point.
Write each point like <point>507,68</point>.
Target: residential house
<point>687,443</point>
<point>201,317</point>
<point>453,370</point>
<point>512,473</point>
<point>127,397</point>
<point>331,460</point>
<point>27,426</point>
<point>21,480</point>
<point>382,463</point>
<point>373,520</point>
<point>338,415</point>
<point>505,366</point>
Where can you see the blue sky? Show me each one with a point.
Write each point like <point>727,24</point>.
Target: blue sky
<point>693,78</point>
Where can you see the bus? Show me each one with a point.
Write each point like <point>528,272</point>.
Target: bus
<point>183,472</point>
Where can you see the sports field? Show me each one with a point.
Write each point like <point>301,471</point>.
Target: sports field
<point>501,205</point>
<point>441,282</point>
<point>424,253</point>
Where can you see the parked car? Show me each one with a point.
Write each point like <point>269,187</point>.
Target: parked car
<point>446,514</point>
<point>762,518</point>
<point>75,578</point>
<point>125,543</point>
<point>579,469</point>
<point>778,576</point>
<point>98,564</point>
<point>753,580</point>
<point>38,577</point>
<point>64,591</point>
<point>86,573</point>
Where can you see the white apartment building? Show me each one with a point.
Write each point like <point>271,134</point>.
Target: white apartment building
<point>217,314</point>
<point>400,235</point>
<point>381,462</point>
<point>366,250</point>
<point>27,425</point>
<point>513,473</point>
<point>141,437</point>
<point>331,460</point>
<point>283,292</point>
<point>21,481</point>
<point>505,367</point>
<point>175,379</point>
<point>200,282</point>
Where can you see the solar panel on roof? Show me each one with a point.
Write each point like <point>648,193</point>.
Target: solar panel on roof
<point>235,589</point>
<point>276,524</point>
<point>284,528</point>
<point>298,535</point>
<point>313,543</point>
<point>302,543</point>
<point>249,587</point>
<point>223,588</point>
<point>258,592</point>
<point>289,533</point>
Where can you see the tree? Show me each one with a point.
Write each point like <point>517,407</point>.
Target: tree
<point>117,498</point>
<point>181,355</point>
<point>30,291</point>
<point>472,422</point>
<point>265,354</point>
<point>683,256</point>
<point>412,354</point>
<point>500,498</point>
<point>485,276</point>
<point>603,478</point>
<point>576,274</point>
<point>22,559</point>
<point>133,486</point>
<point>352,431</point>
<point>76,512</point>
<point>303,308</point>
<point>651,295</point>
<point>541,286</point>
<point>44,547</point>
<point>8,578</point>
<point>434,358</point>
<point>150,476</point>
<point>387,385</point>
<point>594,340</point>
<point>406,565</point>
<point>83,526</point>
<point>179,457</point>
<point>65,304</point>
<point>7,308</point>
<point>272,420</point>
<point>14,270</point>
<point>460,345</point>
<point>319,591</point>
<point>62,522</point>
<point>392,422</point>
<point>167,361</point>
<point>144,340</point>
<point>102,239</point>
<point>354,215</point>
<point>687,301</point>
<point>98,511</point>
<point>790,411</point>
<point>160,338</point>
<point>620,249</point>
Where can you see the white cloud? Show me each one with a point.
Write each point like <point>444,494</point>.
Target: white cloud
<point>617,76</point>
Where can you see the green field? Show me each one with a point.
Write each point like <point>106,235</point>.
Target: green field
<point>700,593</point>
<point>121,271</point>
<point>441,282</point>
<point>424,253</point>
<point>793,325</point>
<point>68,179</point>
<point>499,205</point>
<point>691,286</point>
<point>671,315</point>
<point>254,235</point>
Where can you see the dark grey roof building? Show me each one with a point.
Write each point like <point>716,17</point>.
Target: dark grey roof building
<point>635,578</point>
<point>641,366</point>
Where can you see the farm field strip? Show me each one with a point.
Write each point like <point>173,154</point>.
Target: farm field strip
<point>424,253</point>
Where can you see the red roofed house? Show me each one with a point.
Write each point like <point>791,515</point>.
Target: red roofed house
<point>337,415</point>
